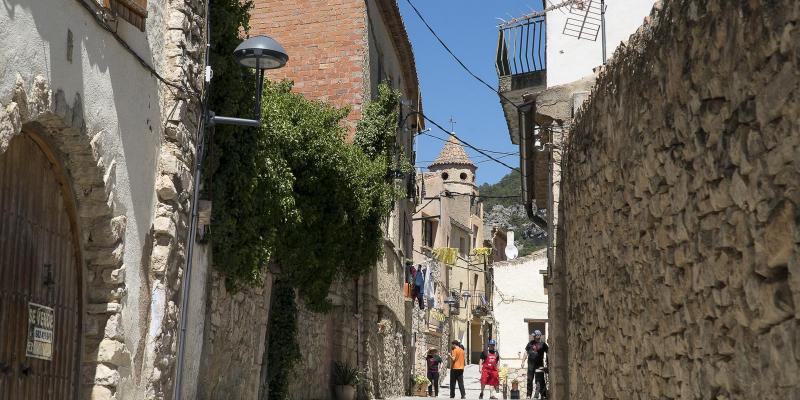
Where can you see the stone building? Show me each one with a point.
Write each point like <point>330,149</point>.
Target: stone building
<point>680,230</point>
<point>99,108</point>
<point>546,94</point>
<point>451,216</point>
<point>341,63</point>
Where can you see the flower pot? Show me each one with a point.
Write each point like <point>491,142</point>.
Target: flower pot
<point>345,392</point>
<point>421,390</point>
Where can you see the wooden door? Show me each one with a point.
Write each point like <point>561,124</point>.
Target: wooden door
<point>40,292</point>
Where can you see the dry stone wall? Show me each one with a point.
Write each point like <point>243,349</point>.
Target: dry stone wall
<point>681,211</point>
<point>234,341</point>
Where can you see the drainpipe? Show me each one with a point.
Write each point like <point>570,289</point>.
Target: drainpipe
<point>603,27</point>
<point>550,211</point>
<point>190,239</point>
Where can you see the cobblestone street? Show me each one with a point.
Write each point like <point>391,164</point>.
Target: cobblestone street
<point>471,384</point>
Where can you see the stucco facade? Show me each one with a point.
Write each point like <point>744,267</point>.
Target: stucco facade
<point>92,85</point>
<point>519,299</point>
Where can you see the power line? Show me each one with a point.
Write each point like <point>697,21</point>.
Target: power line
<point>505,153</point>
<point>504,156</point>
<point>436,124</point>
<point>458,60</point>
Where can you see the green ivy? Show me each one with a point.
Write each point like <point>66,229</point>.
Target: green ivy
<point>283,350</point>
<point>296,194</point>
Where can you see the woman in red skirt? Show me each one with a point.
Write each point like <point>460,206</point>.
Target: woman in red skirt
<point>490,374</point>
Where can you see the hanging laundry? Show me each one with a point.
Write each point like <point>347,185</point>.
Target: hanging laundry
<point>419,279</point>
<point>429,283</point>
<point>419,286</point>
<point>446,255</point>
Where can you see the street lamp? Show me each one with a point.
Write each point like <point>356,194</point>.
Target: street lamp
<point>468,296</point>
<point>258,52</point>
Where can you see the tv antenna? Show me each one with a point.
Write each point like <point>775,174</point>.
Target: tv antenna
<point>587,19</point>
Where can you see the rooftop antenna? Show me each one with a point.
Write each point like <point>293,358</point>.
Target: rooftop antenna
<point>452,124</point>
<point>587,19</point>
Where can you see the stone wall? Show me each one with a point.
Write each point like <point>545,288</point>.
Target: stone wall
<point>679,215</point>
<point>324,339</point>
<point>234,341</point>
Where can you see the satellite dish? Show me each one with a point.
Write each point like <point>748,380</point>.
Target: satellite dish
<point>511,251</point>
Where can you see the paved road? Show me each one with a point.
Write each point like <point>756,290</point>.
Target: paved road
<point>471,384</point>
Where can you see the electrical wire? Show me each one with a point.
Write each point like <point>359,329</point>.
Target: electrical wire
<point>499,157</point>
<point>436,124</point>
<point>133,53</point>
<point>458,60</point>
<point>506,153</point>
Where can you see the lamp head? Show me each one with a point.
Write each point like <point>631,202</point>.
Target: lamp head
<point>262,52</point>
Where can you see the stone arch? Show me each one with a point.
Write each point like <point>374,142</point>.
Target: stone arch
<point>89,170</point>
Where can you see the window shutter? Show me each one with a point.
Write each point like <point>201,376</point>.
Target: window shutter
<point>133,11</point>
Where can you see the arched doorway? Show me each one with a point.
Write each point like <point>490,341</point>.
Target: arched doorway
<point>40,275</point>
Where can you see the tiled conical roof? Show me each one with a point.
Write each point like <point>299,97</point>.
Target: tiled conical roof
<point>452,154</point>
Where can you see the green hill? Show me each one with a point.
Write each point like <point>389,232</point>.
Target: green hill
<point>503,207</point>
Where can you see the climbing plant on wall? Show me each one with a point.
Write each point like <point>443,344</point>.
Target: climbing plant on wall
<point>283,350</point>
<point>294,192</point>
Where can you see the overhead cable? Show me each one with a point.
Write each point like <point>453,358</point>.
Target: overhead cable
<point>458,60</point>
<point>436,124</point>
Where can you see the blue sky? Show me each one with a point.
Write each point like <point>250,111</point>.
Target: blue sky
<point>469,27</point>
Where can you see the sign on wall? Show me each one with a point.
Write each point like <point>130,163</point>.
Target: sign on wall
<point>41,322</point>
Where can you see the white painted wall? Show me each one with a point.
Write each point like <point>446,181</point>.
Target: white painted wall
<point>569,59</point>
<point>518,280</point>
<point>120,101</point>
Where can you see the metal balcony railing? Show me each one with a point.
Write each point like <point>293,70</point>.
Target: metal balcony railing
<point>521,47</point>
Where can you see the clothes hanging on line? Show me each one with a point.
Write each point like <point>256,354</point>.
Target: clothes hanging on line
<point>447,255</point>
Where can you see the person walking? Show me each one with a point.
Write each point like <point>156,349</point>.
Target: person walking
<point>534,353</point>
<point>457,370</point>
<point>490,374</point>
<point>434,363</point>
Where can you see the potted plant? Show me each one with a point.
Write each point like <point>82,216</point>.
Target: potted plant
<point>345,380</point>
<point>421,383</point>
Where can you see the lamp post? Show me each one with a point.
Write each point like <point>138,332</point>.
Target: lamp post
<point>260,53</point>
<point>468,295</point>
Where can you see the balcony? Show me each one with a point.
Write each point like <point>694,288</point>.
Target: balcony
<point>521,64</point>
<point>520,48</point>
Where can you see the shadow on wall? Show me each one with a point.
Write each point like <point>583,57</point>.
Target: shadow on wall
<point>121,110</point>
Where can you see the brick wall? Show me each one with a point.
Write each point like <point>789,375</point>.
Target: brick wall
<point>327,45</point>
<point>679,223</point>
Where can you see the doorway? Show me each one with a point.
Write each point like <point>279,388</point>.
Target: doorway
<point>40,279</point>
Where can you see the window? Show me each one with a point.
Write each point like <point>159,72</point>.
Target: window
<point>133,11</point>
<point>534,325</point>
<point>463,176</point>
<point>462,246</point>
<point>445,175</point>
<point>427,233</point>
